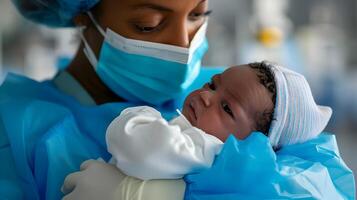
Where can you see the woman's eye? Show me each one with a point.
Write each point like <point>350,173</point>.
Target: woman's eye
<point>226,109</point>
<point>198,15</point>
<point>211,85</point>
<point>146,29</point>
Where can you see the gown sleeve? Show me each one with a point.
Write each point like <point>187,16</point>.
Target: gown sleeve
<point>10,185</point>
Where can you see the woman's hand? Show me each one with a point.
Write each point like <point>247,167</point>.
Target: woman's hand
<point>95,180</point>
<point>99,180</point>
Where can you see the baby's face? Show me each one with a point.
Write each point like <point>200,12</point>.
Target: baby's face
<point>228,104</point>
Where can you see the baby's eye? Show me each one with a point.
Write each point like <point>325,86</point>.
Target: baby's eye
<point>211,85</point>
<point>227,109</point>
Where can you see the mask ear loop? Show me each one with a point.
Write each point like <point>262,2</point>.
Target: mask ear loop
<point>96,24</point>
<point>87,49</point>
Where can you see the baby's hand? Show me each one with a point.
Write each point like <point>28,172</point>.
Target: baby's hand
<point>141,110</point>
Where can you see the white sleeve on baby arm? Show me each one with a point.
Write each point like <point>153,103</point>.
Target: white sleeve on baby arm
<point>146,146</point>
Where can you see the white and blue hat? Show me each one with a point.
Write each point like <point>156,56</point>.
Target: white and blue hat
<point>297,118</point>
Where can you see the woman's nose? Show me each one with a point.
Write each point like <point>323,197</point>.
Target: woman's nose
<point>181,34</point>
<point>206,97</point>
<point>179,38</point>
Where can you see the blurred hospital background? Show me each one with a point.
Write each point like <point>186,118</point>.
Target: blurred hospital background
<point>315,37</point>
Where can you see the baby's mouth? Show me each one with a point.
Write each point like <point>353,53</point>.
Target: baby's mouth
<point>191,113</point>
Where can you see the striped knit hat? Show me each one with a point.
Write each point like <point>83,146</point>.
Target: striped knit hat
<point>297,118</point>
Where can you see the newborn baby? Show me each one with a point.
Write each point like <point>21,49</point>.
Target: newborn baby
<point>256,97</point>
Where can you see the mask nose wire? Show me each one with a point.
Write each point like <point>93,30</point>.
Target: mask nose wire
<point>95,22</point>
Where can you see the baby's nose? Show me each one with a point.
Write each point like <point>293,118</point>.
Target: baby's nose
<point>206,97</point>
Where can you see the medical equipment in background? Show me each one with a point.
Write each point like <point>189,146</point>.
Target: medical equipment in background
<point>271,35</point>
<point>35,51</point>
<point>326,56</point>
<point>3,24</point>
<point>269,22</point>
<point>1,64</point>
<point>222,31</point>
<point>59,46</point>
<point>9,24</point>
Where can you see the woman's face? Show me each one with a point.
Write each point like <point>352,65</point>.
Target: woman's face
<point>173,22</point>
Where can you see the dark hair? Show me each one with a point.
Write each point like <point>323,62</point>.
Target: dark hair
<point>266,78</point>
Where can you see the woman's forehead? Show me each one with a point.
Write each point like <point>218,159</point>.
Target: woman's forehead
<point>171,5</point>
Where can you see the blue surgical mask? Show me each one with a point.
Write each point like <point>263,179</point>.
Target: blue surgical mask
<point>148,72</point>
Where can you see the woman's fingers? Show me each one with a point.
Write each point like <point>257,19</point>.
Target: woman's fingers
<point>69,196</point>
<point>70,182</point>
<point>86,164</point>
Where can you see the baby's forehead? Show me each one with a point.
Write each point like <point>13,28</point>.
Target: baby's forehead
<point>238,79</point>
<point>240,73</point>
<point>242,82</point>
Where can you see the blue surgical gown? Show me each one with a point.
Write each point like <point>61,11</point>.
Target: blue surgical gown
<point>250,169</point>
<point>45,134</point>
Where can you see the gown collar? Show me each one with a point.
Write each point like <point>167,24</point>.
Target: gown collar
<point>69,85</point>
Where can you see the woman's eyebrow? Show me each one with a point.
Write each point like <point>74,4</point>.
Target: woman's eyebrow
<point>202,1</point>
<point>157,7</point>
<point>152,6</point>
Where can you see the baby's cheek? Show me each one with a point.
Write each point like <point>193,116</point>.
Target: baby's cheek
<point>242,132</point>
<point>215,127</point>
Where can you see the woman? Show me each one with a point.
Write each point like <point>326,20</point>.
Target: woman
<point>133,52</point>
